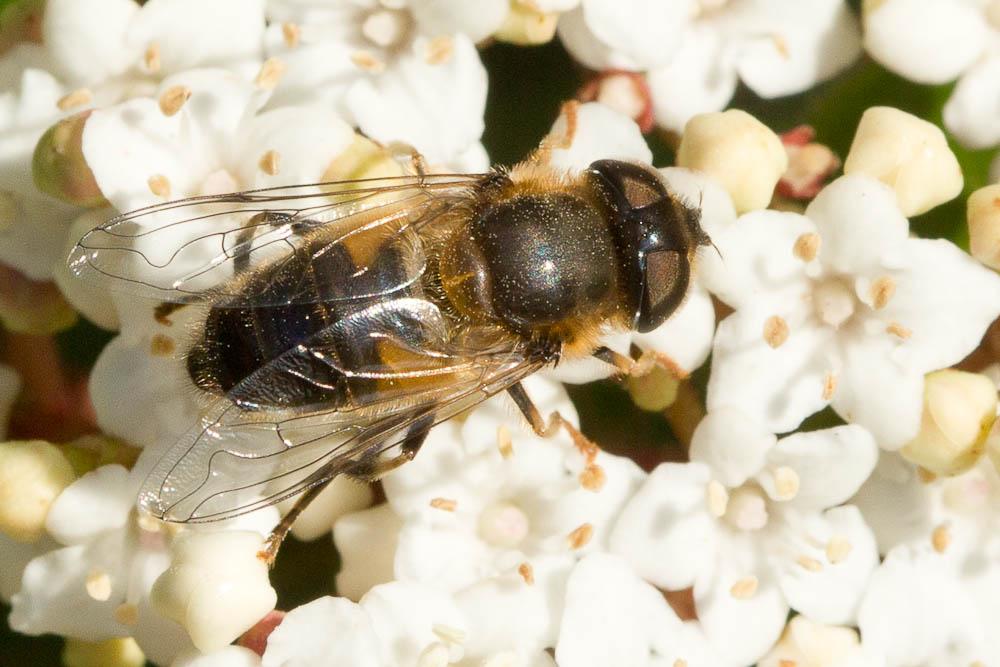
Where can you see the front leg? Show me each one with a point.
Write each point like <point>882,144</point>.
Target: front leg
<point>555,422</point>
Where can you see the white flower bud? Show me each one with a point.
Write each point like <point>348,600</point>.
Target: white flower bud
<point>119,652</point>
<point>805,642</point>
<point>526,25</point>
<point>738,151</point>
<point>216,586</point>
<point>959,410</point>
<point>32,474</point>
<point>983,214</point>
<point>909,155</point>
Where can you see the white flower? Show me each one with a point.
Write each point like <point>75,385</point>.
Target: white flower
<point>917,612</point>
<point>400,71</point>
<point>840,307</point>
<point>488,507</point>
<point>96,584</point>
<point>696,51</point>
<point>937,41</point>
<point>229,656</point>
<point>809,644</point>
<point>614,618</point>
<point>394,625</point>
<point>683,342</point>
<point>753,524</point>
<point>99,52</point>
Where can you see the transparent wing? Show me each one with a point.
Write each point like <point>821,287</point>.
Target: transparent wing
<point>255,248</point>
<point>237,459</point>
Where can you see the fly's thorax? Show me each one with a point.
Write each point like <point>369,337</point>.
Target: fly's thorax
<point>541,262</point>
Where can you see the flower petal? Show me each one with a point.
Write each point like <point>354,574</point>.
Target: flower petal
<point>441,117</point>
<point>945,299</point>
<point>830,464</point>
<point>230,656</point>
<point>324,633</point>
<point>927,41</point>
<point>860,225</point>
<point>878,392</point>
<point>972,113</point>
<point>742,627</point>
<point>686,338</point>
<point>404,617</point>
<point>600,133</point>
<point>789,48</point>
<point>844,547</point>
<point>86,39</point>
<point>367,542</point>
<point>477,21</point>
<point>895,503</point>
<point>782,386</point>
<point>100,500</point>
<point>665,531</point>
<point>701,78</point>
<point>732,444</point>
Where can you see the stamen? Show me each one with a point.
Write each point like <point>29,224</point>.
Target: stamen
<point>745,587</point>
<point>807,247</point>
<point>127,613</point>
<point>173,99</point>
<point>527,573</point>
<point>159,185</point>
<point>581,536</point>
<point>151,58</point>
<point>504,442</point>
<point>718,498</point>
<point>593,478</point>
<point>292,34</point>
<point>444,504</point>
<point>161,345</point>
<point>941,538</point>
<point>829,385</point>
<point>898,330</point>
<point>882,291</point>
<point>98,585</point>
<point>435,654</point>
<point>786,482</point>
<point>367,62</point>
<point>270,73</point>
<point>775,331</point>
<point>808,563</point>
<point>78,98</point>
<point>837,549</point>
<point>439,50</point>
<point>270,162</point>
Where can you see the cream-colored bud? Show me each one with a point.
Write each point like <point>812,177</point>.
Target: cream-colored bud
<point>983,214</point>
<point>526,25</point>
<point>32,474</point>
<point>216,586</point>
<point>806,642</point>
<point>59,167</point>
<point>654,391</point>
<point>119,652</point>
<point>959,411</point>
<point>909,155</point>
<point>738,151</point>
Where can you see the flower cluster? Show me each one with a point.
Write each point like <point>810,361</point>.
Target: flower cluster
<point>831,491</point>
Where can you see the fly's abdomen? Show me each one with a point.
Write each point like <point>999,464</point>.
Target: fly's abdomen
<point>300,354</point>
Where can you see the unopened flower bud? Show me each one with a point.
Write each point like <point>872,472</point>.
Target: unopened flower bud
<point>959,410</point>
<point>738,151</point>
<point>909,155</point>
<point>806,642</point>
<point>118,652</point>
<point>525,25</point>
<point>216,586</point>
<point>31,306</point>
<point>363,158</point>
<point>983,214</point>
<point>32,474</point>
<point>59,167</point>
<point>654,391</point>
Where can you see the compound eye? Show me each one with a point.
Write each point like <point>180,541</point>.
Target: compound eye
<point>634,186</point>
<point>665,283</point>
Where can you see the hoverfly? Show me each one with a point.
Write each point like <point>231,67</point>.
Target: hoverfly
<point>345,319</point>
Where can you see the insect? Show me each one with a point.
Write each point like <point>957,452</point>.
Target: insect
<point>344,320</point>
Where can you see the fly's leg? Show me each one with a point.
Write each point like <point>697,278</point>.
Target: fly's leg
<point>638,367</point>
<point>279,532</point>
<point>368,469</point>
<point>556,421</point>
<point>551,142</point>
<point>399,149</point>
